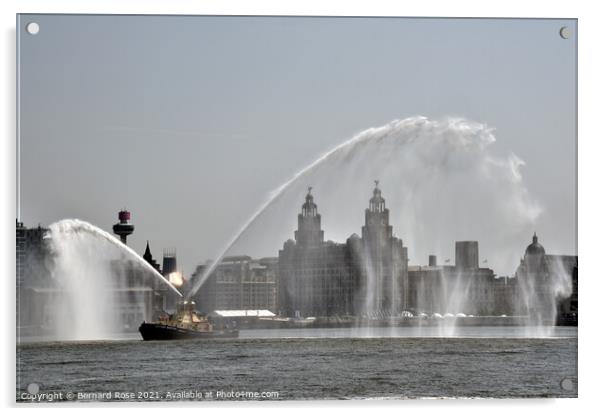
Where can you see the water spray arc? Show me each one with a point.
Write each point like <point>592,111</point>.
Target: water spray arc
<point>98,286</point>
<point>438,171</point>
<point>274,195</point>
<point>446,183</point>
<point>74,226</point>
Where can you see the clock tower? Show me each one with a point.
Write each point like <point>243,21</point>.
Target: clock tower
<point>384,261</point>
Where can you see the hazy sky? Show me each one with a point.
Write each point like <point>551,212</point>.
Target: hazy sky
<point>189,122</point>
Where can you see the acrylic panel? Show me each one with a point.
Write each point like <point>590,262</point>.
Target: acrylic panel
<point>226,208</point>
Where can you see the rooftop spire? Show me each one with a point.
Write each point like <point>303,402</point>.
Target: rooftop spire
<point>147,253</point>
<point>377,202</point>
<point>309,208</point>
<point>149,258</point>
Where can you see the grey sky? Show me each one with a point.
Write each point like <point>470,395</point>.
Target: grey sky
<point>189,122</point>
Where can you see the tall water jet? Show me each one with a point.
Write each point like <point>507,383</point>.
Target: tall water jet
<point>91,272</point>
<point>443,179</point>
<point>545,281</point>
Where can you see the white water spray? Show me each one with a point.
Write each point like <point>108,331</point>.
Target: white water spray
<point>442,182</point>
<point>542,292</point>
<point>274,195</point>
<point>90,269</point>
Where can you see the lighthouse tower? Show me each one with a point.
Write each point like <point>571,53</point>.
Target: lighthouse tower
<point>123,228</point>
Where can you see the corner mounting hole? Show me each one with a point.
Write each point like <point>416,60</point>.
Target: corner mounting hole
<point>32,28</point>
<point>565,33</point>
<point>567,384</point>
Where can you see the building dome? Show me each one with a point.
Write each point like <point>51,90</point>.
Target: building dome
<point>535,248</point>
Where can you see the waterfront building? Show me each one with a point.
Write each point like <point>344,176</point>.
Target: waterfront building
<point>259,285</point>
<point>384,272</point>
<point>547,284</point>
<point>366,275</point>
<point>506,290</point>
<point>237,283</point>
<point>426,290</point>
<point>174,276</point>
<point>315,278</point>
<point>31,272</point>
<point>467,254</point>
<point>31,251</point>
<point>567,306</point>
<point>462,288</point>
<point>170,262</point>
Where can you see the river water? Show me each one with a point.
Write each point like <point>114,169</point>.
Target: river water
<point>304,364</point>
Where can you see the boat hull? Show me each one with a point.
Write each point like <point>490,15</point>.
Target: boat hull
<point>161,332</point>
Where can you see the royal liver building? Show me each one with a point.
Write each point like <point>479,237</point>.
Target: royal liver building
<point>364,276</point>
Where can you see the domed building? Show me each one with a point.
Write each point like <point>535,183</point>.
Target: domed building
<point>535,248</point>
<point>547,286</point>
<point>534,259</point>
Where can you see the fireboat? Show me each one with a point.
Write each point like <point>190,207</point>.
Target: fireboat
<point>186,323</point>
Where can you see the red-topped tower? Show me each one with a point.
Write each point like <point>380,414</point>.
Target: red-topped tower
<point>123,228</point>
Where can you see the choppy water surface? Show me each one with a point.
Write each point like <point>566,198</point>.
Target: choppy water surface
<point>302,366</point>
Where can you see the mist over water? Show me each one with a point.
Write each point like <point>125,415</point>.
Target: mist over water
<point>443,181</point>
<point>88,269</point>
<point>540,301</point>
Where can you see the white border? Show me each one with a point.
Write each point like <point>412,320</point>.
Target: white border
<point>589,170</point>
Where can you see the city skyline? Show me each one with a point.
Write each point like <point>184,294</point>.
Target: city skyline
<point>171,252</point>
